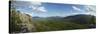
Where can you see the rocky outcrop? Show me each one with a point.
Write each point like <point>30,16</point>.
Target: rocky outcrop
<point>20,22</point>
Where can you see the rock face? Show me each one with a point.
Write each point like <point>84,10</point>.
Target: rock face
<point>20,22</point>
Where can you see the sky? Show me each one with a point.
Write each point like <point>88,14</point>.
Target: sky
<point>42,9</point>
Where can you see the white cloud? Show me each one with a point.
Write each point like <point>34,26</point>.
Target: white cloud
<point>77,9</point>
<point>32,7</point>
<point>41,9</point>
<point>29,5</point>
<point>88,9</point>
<point>91,10</point>
<point>36,7</point>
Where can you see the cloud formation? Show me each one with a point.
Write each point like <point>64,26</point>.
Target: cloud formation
<point>88,9</point>
<point>29,5</point>
<point>91,9</point>
<point>77,9</point>
<point>42,9</point>
<point>36,7</point>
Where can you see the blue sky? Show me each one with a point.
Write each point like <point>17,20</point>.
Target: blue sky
<point>53,9</point>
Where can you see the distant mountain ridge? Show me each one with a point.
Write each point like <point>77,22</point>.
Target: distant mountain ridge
<point>80,18</point>
<point>83,19</point>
